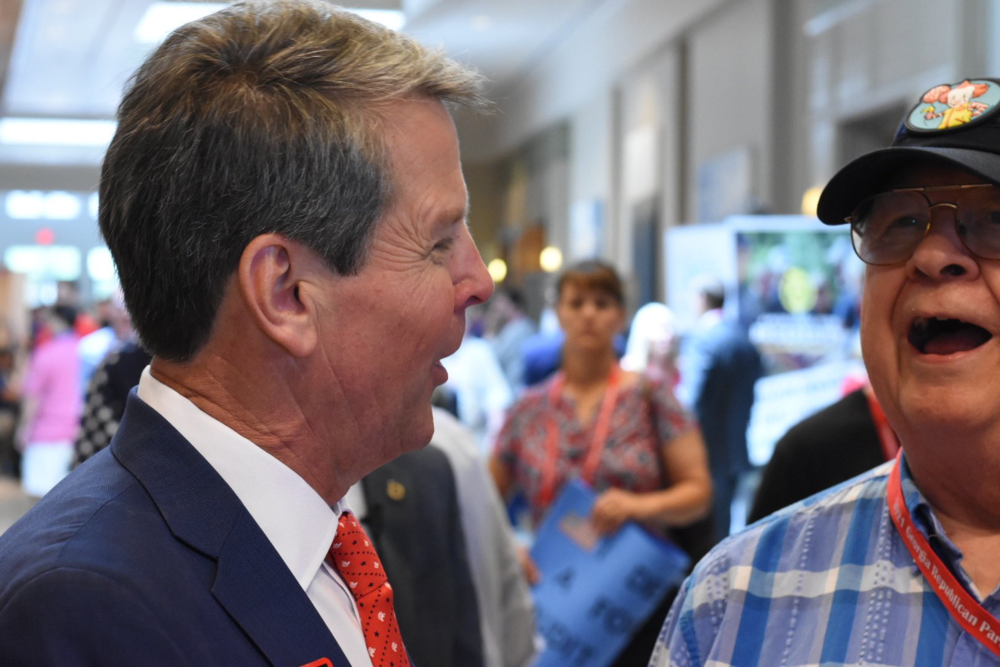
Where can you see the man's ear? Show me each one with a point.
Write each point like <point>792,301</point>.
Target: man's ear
<point>270,274</point>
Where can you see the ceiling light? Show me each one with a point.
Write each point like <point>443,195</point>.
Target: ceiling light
<point>393,19</point>
<point>810,200</point>
<point>498,270</point>
<point>56,132</point>
<point>162,18</point>
<point>38,205</point>
<point>550,259</point>
<point>100,266</point>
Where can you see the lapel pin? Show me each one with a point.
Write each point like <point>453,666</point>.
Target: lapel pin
<point>395,490</point>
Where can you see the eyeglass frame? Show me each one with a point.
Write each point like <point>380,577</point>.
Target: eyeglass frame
<point>929,188</point>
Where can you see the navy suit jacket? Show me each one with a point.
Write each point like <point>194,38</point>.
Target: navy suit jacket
<point>144,555</point>
<point>414,521</point>
<point>720,365</point>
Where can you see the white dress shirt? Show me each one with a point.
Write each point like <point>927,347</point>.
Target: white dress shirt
<point>506,610</point>
<point>294,518</point>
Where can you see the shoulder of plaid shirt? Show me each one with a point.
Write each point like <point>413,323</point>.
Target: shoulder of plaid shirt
<point>825,581</point>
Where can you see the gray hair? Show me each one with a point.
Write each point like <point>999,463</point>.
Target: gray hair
<point>263,117</point>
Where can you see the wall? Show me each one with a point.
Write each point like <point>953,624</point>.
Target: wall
<point>728,100</point>
<point>15,176</point>
<point>657,95</point>
<point>485,201</point>
<point>864,63</point>
<point>607,42</point>
<point>650,131</point>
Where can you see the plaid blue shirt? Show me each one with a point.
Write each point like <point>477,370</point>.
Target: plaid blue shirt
<point>827,581</point>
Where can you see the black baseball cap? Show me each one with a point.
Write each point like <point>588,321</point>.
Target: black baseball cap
<point>956,124</point>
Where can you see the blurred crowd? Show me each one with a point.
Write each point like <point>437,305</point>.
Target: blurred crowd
<point>64,383</point>
<point>653,418</point>
<point>61,394</point>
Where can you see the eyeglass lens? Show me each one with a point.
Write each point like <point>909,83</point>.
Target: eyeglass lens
<point>888,227</point>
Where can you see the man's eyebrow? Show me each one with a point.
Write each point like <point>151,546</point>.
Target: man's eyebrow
<point>456,215</point>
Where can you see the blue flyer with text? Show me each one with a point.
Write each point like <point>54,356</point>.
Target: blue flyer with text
<point>596,592</point>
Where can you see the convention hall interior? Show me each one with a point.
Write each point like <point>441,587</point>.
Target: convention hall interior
<point>670,138</point>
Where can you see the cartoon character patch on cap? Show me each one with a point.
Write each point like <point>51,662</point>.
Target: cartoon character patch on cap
<point>946,107</point>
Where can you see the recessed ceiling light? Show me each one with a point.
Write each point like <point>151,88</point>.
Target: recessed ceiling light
<point>550,259</point>
<point>393,19</point>
<point>56,132</point>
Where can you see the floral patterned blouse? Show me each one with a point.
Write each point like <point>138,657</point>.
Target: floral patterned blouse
<point>632,457</point>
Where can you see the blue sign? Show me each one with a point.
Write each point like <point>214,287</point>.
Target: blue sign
<point>596,592</point>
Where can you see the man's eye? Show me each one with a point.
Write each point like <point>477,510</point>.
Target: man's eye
<point>904,222</point>
<point>444,244</point>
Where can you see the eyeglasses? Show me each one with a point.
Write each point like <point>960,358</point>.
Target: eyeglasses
<point>888,227</point>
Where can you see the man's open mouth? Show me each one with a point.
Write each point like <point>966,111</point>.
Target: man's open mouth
<point>939,335</point>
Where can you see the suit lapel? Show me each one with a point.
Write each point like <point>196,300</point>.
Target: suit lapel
<point>252,583</point>
<point>273,609</point>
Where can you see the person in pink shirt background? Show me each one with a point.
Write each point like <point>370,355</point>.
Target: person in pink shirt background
<point>51,405</point>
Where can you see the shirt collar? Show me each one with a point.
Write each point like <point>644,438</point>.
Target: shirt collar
<point>294,518</point>
<point>927,522</point>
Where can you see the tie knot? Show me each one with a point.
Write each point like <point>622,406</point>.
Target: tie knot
<point>353,556</point>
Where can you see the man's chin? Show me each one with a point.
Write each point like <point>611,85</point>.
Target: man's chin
<point>418,432</point>
<point>937,412</point>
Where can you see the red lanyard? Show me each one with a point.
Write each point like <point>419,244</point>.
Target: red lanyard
<point>601,427</point>
<point>886,436</point>
<point>960,604</point>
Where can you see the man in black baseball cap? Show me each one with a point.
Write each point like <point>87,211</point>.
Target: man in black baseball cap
<point>897,566</point>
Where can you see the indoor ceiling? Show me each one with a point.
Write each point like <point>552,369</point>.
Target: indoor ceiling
<point>71,58</point>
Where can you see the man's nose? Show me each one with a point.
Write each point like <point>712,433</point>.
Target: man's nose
<point>477,283</point>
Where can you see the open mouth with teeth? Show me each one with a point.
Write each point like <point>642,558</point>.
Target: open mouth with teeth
<point>938,335</point>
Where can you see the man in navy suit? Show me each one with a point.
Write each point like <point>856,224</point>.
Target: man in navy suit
<point>719,367</point>
<point>285,205</point>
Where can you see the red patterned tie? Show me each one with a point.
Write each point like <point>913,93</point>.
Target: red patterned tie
<point>353,555</point>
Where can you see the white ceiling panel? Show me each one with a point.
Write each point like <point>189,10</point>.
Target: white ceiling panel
<point>72,58</point>
<point>502,39</point>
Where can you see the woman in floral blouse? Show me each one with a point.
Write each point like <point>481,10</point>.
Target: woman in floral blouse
<point>622,433</point>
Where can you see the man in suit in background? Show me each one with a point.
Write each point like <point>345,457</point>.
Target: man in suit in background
<point>719,367</point>
<point>285,205</point>
<point>409,507</point>
<point>450,553</point>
